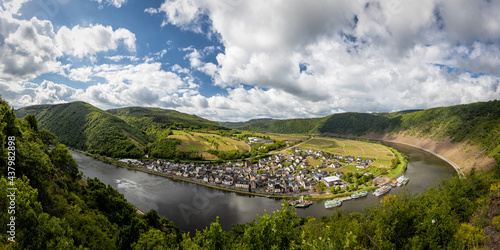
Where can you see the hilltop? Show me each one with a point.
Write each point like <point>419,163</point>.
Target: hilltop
<point>154,121</point>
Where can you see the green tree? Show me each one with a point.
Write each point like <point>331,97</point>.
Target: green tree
<point>153,239</point>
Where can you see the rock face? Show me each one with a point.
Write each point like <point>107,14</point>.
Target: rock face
<point>465,155</point>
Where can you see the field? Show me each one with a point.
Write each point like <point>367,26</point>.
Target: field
<point>379,153</point>
<point>203,142</point>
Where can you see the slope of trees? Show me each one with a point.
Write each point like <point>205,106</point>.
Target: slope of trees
<point>83,126</point>
<point>55,208</point>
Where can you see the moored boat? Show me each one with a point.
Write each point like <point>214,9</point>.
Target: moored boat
<point>405,181</point>
<point>355,195</point>
<point>333,203</point>
<point>394,183</point>
<point>292,202</point>
<point>301,203</point>
<point>382,190</point>
<point>363,193</point>
<point>400,181</point>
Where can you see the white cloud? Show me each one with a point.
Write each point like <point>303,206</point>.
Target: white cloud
<point>118,58</point>
<point>85,41</point>
<point>27,48</point>
<point>80,74</point>
<point>27,93</point>
<point>132,85</point>
<point>13,6</point>
<point>359,55</point>
<point>116,3</point>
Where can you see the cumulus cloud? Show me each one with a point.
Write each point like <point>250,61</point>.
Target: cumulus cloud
<point>131,85</point>
<point>13,6</point>
<point>84,41</point>
<point>357,55</point>
<point>27,48</point>
<point>116,3</point>
<point>27,93</point>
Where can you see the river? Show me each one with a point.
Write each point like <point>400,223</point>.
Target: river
<point>192,206</point>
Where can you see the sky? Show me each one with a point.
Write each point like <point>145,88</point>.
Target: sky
<point>235,60</point>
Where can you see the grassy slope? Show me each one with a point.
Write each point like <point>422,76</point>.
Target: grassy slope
<point>83,126</point>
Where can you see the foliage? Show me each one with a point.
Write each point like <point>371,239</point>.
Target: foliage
<point>82,126</point>
<point>54,207</point>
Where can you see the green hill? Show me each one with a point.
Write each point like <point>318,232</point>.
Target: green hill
<point>241,124</point>
<point>83,126</point>
<point>154,121</point>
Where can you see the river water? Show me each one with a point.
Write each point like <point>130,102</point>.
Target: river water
<point>193,207</point>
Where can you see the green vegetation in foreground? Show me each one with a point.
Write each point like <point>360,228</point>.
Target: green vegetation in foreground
<point>56,209</point>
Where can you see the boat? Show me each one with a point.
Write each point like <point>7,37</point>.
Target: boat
<point>301,203</point>
<point>394,183</point>
<point>333,203</point>
<point>400,181</point>
<point>363,193</point>
<point>355,195</point>
<point>382,190</point>
<point>292,202</point>
<point>405,181</point>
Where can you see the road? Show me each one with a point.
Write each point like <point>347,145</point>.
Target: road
<point>286,148</point>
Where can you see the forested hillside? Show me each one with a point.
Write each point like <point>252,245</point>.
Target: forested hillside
<point>241,124</point>
<point>82,126</point>
<point>57,209</point>
<point>155,120</point>
<point>50,206</point>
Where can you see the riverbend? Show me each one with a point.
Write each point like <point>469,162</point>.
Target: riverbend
<point>192,207</point>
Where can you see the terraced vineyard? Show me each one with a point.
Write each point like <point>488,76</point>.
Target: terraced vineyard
<point>379,153</point>
<point>200,143</point>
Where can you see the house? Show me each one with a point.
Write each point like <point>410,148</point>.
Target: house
<point>241,183</point>
<point>227,181</point>
<point>218,179</point>
<point>330,181</point>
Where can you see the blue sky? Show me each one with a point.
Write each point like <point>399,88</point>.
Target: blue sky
<point>234,60</point>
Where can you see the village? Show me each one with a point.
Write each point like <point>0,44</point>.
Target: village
<point>287,174</point>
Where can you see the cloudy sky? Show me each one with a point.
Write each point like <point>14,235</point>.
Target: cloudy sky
<point>233,60</point>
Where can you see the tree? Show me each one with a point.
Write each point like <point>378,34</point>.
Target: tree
<point>318,188</point>
<point>32,122</point>
<point>153,239</point>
